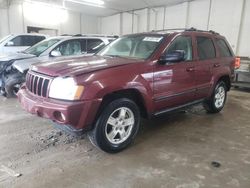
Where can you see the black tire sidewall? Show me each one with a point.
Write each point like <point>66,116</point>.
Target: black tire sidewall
<point>100,136</point>
<point>9,84</point>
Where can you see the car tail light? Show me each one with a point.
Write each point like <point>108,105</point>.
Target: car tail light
<point>237,63</point>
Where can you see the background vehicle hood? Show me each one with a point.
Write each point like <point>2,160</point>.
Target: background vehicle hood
<point>15,56</point>
<point>23,65</point>
<point>79,65</point>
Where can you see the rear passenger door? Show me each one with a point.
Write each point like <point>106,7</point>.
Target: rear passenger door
<point>206,59</point>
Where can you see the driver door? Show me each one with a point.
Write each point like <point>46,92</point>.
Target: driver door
<point>174,82</point>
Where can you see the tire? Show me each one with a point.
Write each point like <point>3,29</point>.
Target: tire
<point>217,101</point>
<point>12,85</point>
<point>115,136</point>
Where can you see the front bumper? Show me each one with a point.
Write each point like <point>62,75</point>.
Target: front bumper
<point>78,115</point>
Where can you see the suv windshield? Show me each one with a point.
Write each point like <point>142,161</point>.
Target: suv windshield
<point>41,47</point>
<point>137,47</point>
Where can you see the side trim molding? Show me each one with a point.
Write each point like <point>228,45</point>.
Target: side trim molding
<point>178,107</point>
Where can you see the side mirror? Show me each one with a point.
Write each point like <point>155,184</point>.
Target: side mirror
<point>175,56</point>
<point>10,43</point>
<point>55,54</point>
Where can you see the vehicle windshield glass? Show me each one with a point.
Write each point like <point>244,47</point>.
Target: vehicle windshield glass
<point>4,38</point>
<point>41,47</point>
<point>137,47</point>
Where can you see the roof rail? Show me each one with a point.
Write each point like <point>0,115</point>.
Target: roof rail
<point>175,29</point>
<point>186,29</point>
<point>95,35</point>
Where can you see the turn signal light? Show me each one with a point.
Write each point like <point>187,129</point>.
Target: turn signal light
<point>237,63</point>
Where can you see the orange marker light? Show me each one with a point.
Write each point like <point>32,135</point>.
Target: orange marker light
<point>78,92</point>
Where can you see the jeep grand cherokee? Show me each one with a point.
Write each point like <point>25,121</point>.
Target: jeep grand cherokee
<point>138,75</point>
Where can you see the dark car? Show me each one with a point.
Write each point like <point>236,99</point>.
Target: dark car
<point>138,75</point>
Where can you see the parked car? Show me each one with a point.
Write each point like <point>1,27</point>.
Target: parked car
<point>138,75</point>
<point>19,42</point>
<point>242,74</point>
<point>14,67</point>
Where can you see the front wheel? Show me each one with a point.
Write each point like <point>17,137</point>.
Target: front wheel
<point>13,84</point>
<point>117,126</point>
<point>217,101</point>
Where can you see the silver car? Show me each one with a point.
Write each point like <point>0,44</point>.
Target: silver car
<point>14,67</point>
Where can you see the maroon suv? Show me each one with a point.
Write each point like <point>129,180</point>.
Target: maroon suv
<point>138,75</point>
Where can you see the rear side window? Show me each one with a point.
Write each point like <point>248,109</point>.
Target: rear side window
<point>206,48</point>
<point>223,48</point>
<point>94,45</point>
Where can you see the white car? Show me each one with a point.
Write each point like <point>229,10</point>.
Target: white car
<point>19,42</point>
<point>13,67</point>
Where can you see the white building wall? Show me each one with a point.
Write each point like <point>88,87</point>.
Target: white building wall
<point>4,26</point>
<point>143,21</point>
<point>127,23</point>
<point>110,25</point>
<point>223,16</point>
<point>175,16</point>
<point>244,37</point>
<point>18,16</point>
<point>198,14</point>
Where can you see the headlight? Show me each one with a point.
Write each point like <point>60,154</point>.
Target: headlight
<point>65,88</point>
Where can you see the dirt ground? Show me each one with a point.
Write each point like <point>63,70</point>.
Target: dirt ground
<point>182,150</point>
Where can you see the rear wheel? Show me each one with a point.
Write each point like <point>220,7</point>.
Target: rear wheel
<point>117,126</point>
<point>217,101</point>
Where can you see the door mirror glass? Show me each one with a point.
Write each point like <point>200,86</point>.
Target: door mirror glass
<point>10,43</point>
<point>174,56</point>
<point>55,53</point>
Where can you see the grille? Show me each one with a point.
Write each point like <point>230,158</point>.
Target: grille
<point>37,84</point>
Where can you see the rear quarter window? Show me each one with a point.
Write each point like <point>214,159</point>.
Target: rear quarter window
<point>223,48</point>
<point>205,48</point>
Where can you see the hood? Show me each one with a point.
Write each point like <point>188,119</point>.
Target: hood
<point>15,56</point>
<point>23,65</point>
<point>80,65</point>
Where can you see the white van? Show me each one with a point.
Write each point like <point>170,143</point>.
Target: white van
<point>19,42</point>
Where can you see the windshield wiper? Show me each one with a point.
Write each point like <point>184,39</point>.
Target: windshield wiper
<point>114,56</point>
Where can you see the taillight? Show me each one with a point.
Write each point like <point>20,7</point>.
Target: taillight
<point>237,63</point>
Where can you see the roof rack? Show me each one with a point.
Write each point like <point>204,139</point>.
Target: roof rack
<point>95,35</point>
<point>186,29</point>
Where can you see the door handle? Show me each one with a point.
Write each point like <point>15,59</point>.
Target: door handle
<point>216,65</point>
<point>190,69</point>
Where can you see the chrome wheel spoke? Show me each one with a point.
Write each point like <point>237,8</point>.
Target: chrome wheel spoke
<point>219,97</point>
<point>119,125</point>
<point>122,113</point>
<point>129,121</point>
<point>111,121</point>
<point>112,134</point>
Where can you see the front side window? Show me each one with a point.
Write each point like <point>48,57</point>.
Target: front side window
<point>40,47</point>
<point>137,47</point>
<point>223,48</point>
<point>205,48</point>
<point>72,47</point>
<point>182,43</point>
